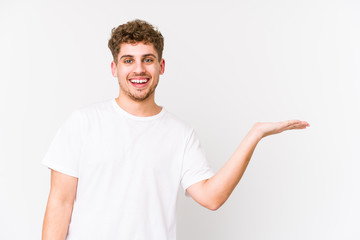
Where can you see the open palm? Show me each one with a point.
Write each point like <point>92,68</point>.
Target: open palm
<point>270,128</point>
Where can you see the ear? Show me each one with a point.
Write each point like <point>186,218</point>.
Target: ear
<point>113,69</point>
<point>162,66</point>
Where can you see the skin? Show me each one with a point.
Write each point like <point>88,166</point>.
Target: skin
<point>59,206</point>
<point>213,192</point>
<point>143,63</point>
<point>138,61</point>
<point>135,60</point>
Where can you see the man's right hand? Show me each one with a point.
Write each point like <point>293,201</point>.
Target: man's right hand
<point>59,207</point>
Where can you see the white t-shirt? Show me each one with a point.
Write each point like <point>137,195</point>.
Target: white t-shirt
<point>129,170</point>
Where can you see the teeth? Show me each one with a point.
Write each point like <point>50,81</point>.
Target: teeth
<point>138,81</point>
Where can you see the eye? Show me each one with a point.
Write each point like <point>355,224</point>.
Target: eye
<point>128,61</point>
<point>148,60</point>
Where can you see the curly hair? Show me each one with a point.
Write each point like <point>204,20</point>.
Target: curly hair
<point>133,32</point>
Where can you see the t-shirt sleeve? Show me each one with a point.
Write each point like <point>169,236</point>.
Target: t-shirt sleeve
<point>195,165</point>
<point>64,152</point>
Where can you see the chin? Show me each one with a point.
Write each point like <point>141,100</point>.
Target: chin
<point>139,98</point>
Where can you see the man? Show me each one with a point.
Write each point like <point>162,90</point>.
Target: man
<point>116,165</point>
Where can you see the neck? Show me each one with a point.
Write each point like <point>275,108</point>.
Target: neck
<point>144,108</point>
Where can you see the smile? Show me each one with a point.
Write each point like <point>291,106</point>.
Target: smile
<point>139,82</point>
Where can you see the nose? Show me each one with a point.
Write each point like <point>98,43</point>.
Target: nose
<point>139,68</point>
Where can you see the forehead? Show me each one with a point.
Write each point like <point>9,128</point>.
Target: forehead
<point>137,49</point>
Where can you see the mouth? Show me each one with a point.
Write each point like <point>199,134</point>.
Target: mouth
<point>139,82</point>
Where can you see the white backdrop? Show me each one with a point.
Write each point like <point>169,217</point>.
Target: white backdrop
<point>228,65</point>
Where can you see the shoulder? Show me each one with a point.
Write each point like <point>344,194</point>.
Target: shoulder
<point>178,124</point>
<point>92,108</point>
<point>93,111</point>
<point>90,113</point>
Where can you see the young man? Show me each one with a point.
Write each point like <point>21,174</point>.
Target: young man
<point>116,165</point>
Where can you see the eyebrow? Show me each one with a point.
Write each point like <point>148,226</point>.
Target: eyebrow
<point>145,55</point>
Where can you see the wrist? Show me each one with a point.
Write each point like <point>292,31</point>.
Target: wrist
<point>257,131</point>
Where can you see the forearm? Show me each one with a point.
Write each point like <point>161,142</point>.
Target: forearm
<point>220,186</point>
<point>56,220</point>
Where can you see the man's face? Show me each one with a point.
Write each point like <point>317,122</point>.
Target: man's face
<point>138,70</point>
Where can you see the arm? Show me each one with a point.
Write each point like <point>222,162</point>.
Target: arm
<point>213,192</point>
<point>59,206</point>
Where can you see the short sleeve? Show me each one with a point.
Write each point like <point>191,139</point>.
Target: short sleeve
<point>195,166</point>
<point>64,152</point>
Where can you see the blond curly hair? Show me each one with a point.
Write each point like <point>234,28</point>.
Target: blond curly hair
<point>133,32</point>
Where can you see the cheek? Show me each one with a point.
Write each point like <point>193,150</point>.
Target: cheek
<point>155,70</point>
<point>123,73</point>
<point>124,76</point>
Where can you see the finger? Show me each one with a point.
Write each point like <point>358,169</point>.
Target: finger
<point>295,124</point>
<point>289,123</point>
<point>300,125</point>
<point>304,123</point>
<point>292,122</point>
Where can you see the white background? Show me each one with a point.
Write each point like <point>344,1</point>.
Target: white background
<point>228,65</point>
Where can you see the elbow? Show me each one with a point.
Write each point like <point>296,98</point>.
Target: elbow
<point>214,206</point>
<point>216,201</point>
